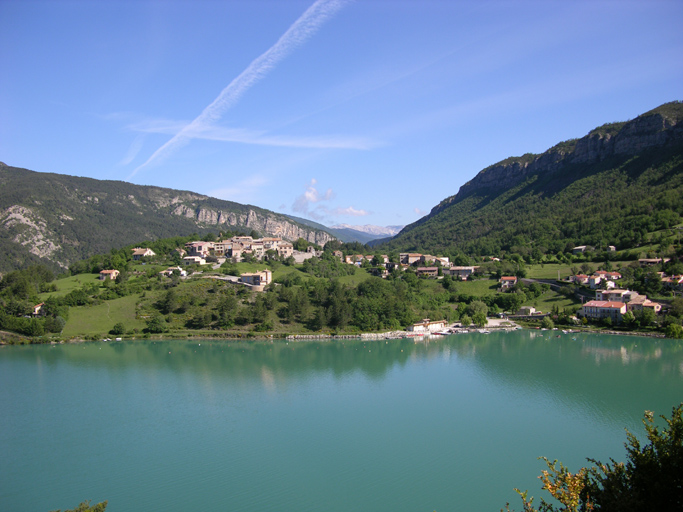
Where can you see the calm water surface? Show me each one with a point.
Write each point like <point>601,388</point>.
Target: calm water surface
<point>454,424</point>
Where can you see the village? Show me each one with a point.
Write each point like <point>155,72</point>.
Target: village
<point>603,300</point>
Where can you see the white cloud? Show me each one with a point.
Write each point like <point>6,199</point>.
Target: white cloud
<point>351,211</point>
<point>302,29</point>
<point>311,196</point>
<point>419,212</point>
<point>310,204</point>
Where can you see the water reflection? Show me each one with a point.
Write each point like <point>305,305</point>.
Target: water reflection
<point>343,423</point>
<point>567,363</point>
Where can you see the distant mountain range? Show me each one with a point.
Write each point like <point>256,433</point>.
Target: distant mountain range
<point>57,219</point>
<point>610,187</point>
<point>347,233</point>
<point>376,231</point>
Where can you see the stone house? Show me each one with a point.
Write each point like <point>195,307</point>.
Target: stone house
<point>109,274</point>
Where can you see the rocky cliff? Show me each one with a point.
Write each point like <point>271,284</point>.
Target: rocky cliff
<point>657,128</point>
<point>614,186</point>
<point>58,219</point>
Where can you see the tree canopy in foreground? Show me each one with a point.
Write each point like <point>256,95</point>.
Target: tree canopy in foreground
<point>651,479</point>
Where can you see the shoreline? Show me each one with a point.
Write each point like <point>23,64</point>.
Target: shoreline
<point>388,335</point>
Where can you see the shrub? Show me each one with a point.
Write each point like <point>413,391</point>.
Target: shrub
<point>651,479</point>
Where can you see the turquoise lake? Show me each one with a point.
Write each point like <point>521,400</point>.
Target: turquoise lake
<point>451,424</point>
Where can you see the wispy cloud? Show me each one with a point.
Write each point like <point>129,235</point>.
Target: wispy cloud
<point>217,133</point>
<point>302,29</point>
<point>133,150</point>
<point>419,212</point>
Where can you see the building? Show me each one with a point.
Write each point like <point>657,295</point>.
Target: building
<point>38,310</point>
<point>285,249</point>
<point>594,281</point>
<point>580,279</point>
<point>608,276</point>
<point>425,326</point>
<point>613,295</point>
<point>599,309</point>
<point>409,258</point>
<point>139,253</point>
<point>461,272</point>
<point>194,260</point>
<point>641,302</point>
<point>427,271</point>
<point>109,274</point>
<point>169,271</point>
<point>201,249</point>
<point>222,247</point>
<point>507,282</point>
<point>650,262</point>
<point>527,310</point>
<point>257,279</point>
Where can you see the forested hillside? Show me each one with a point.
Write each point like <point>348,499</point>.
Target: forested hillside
<point>611,187</point>
<point>55,219</point>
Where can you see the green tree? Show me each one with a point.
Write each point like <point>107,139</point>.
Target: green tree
<point>674,331</point>
<point>629,319</point>
<point>118,329</point>
<point>547,322</point>
<point>85,507</point>
<point>650,479</point>
<point>477,306</point>
<point>645,316</point>
<point>156,324</point>
<point>479,319</point>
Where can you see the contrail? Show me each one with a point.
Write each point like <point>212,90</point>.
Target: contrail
<point>303,28</point>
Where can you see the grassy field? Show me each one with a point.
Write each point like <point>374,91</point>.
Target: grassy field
<point>69,284</point>
<point>547,300</point>
<point>98,320</point>
<point>477,287</point>
<point>357,278</point>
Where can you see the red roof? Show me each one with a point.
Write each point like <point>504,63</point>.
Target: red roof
<point>508,278</point>
<point>606,304</point>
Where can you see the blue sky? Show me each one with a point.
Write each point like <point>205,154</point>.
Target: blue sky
<point>358,112</point>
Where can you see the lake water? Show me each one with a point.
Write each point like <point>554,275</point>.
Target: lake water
<point>453,424</point>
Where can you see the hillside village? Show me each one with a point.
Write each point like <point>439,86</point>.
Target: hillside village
<point>603,300</point>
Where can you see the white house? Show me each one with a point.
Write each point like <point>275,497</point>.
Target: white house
<point>139,253</point>
<point>425,326</point>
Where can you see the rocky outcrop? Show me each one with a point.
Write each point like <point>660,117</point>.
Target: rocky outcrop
<point>29,229</point>
<point>266,223</point>
<point>57,219</point>
<point>650,130</point>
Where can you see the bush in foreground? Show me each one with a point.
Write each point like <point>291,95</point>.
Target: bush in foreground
<point>85,507</point>
<point>651,479</point>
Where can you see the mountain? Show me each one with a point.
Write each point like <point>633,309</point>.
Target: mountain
<point>374,231</point>
<point>57,219</point>
<point>347,233</point>
<point>610,187</point>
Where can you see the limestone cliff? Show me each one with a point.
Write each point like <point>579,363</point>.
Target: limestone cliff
<point>263,222</point>
<point>657,128</point>
<point>58,219</point>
